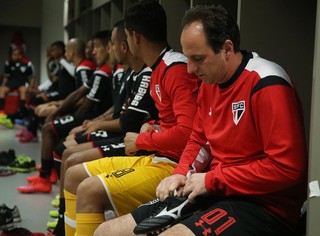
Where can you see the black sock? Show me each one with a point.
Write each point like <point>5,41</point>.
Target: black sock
<point>46,166</point>
<point>2,101</point>
<point>59,229</point>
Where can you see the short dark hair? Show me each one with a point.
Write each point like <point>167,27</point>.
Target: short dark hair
<point>59,44</point>
<point>104,36</point>
<point>147,17</point>
<point>121,34</point>
<point>218,25</point>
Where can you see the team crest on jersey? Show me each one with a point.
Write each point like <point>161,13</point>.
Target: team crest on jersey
<point>238,109</point>
<point>23,69</point>
<point>158,91</point>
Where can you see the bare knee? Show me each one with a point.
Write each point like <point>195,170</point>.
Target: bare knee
<point>123,225</point>
<point>72,160</point>
<point>46,129</point>
<point>73,177</point>
<point>91,188</point>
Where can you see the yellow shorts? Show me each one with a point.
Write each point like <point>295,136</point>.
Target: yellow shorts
<point>130,181</point>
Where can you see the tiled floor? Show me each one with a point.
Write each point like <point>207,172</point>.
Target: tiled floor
<point>34,208</point>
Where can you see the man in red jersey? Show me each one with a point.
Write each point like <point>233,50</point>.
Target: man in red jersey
<point>91,99</point>
<point>122,183</point>
<point>250,115</point>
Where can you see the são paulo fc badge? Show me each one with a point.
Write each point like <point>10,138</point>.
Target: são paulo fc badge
<point>238,108</point>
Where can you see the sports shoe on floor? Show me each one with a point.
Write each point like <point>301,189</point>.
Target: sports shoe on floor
<point>21,133</point>
<point>6,219</point>
<point>20,232</point>
<point>7,157</point>
<point>52,224</point>
<point>53,177</point>
<point>14,211</point>
<point>55,202</point>
<point>22,163</point>
<point>54,213</point>
<point>6,122</point>
<point>166,213</point>
<point>28,137</point>
<point>6,172</point>
<point>41,185</point>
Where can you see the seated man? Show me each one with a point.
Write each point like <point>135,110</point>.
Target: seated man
<point>109,141</point>
<point>250,114</point>
<point>122,183</point>
<point>18,74</point>
<point>89,100</point>
<point>51,93</point>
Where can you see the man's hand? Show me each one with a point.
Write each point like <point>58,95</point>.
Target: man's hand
<point>130,143</point>
<point>146,127</point>
<point>195,186</point>
<point>169,184</point>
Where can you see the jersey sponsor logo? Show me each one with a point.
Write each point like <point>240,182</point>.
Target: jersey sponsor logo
<point>120,173</point>
<point>158,91</point>
<point>238,109</point>
<point>143,89</point>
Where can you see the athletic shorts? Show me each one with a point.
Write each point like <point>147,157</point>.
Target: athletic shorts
<point>225,217</point>
<point>130,181</point>
<point>63,125</point>
<point>79,137</point>
<point>14,84</point>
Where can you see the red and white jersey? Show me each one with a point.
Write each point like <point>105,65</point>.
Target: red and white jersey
<point>254,126</point>
<point>84,72</point>
<point>174,92</point>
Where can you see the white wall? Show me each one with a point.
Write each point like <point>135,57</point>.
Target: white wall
<point>51,29</point>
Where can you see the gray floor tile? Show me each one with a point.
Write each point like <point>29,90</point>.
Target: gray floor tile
<point>34,208</point>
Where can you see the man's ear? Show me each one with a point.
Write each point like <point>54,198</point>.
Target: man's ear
<point>136,37</point>
<point>228,48</point>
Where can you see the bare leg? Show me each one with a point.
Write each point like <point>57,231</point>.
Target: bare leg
<point>178,230</point>
<point>22,91</point>
<point>73,177</point>
<point>74,159</point>
<point>123,225</point>
<point>49,141</point>
<point>92,188</point>
<point>3,91</point>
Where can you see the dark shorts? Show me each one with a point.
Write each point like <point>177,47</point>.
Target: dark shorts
<point>14,84</point>
<point>94,136</point>
<point>110,146</point>
<point>63,125</point>
<point>232,217</point>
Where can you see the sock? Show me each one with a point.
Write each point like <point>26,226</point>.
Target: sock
<point>60,148</point>
<point>59,229</point>
<point>87,223</point>
<point>2,101</point>
<point>21,104</point>
<point>46,166</point>
<point>70,213</point>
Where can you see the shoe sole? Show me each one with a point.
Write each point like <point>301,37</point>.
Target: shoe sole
<point>23,170</point>
<point>33,191</point>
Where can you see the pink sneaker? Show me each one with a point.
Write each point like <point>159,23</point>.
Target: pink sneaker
<point>22,133</point>
<point>40,185</point>
<point>28,137</point>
